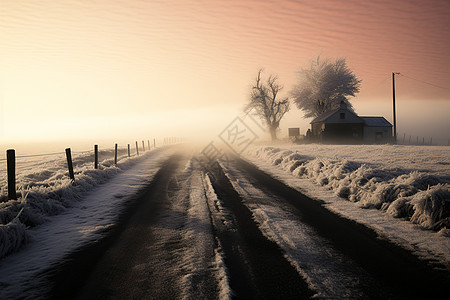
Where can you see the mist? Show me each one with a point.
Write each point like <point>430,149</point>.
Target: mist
<point>115,72</point>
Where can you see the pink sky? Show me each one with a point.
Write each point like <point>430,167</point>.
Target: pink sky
<point>84,69</point>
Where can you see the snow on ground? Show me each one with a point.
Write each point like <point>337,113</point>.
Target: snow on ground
<point>411,182</point>
<point>199,236</point>
<point>45,190</point>
<point>325,172</point>
<point>93,208</point>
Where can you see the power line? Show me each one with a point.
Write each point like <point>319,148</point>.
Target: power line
<point>438,86</point>
<point>377,85</point>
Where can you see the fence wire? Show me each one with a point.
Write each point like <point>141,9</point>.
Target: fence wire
<point>30,164</point>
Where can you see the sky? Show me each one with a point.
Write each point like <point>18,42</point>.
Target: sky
<point>120,70</point>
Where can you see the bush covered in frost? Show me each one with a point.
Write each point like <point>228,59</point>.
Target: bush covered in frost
<point>421,198</point>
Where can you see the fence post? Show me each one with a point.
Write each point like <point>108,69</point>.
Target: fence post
<point>137,148</point>
<point>115,155</point>
<point>148,143</point>
<point>69,163</point>
<point>95,156</point>
<point>143,146</point>
<point>11,166</point>
<point>154,143</point>
<point>129,153</point>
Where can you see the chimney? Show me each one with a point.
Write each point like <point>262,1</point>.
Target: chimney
<point>343,105</point>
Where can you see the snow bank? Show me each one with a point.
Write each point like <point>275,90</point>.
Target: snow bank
<point>49,192</point>
<point>12,236</point>
<point>420,197</point>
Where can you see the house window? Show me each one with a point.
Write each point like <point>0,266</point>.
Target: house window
<point>342,116</point>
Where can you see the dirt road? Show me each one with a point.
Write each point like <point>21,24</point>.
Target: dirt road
<point>234,231</point>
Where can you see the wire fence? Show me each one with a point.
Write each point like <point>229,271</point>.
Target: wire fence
<point>41,166</point>
<point>420,140</point>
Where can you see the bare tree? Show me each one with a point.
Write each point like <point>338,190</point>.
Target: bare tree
<point>323,86</point>
<point>263,99</point>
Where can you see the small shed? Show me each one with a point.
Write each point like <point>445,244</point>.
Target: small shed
<point>345,126</point>
<point>377,130</point>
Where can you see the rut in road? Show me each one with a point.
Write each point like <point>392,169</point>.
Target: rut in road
<point>162,249</point>
<point>395,272</point>
<point>257,268</point>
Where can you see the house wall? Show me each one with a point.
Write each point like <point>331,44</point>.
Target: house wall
<point>349,117</point>
<point>338,133</point>
<point>343,133</point>
<point>380,134</point>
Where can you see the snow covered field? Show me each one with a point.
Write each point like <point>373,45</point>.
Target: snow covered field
<point>45,189</point>
<point>410,182</point>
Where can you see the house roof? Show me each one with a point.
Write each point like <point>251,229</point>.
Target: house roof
<point>332,118</point>
<point>325,116</point>
<point>376,122</point>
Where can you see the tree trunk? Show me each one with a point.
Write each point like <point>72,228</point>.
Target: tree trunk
<point>273,133</point>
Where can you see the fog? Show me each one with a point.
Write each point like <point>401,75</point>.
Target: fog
<point>115,71</point>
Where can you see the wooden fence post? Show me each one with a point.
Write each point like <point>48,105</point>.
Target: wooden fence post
<point>143,146</point>
<point>115,155</point>
<point>69,163</point>
<point>148,143</point>
<point>129,152</point>
<point>11,166</point>
<point>95,156</point>
<point>154,143</point>
<point>137,148</point>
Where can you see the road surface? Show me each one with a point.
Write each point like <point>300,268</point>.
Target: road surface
<point>230,230</point>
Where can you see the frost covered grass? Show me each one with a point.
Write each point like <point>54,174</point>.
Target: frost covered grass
<point>24,274</point>
<point>46,190</point>
<point>409,182</point>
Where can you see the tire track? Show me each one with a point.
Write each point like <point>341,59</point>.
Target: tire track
<point>256,266</point>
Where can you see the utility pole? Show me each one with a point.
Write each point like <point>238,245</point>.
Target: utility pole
<point>393,103</point>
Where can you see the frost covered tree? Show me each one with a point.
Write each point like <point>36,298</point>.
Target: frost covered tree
<point>323,86</point>
<point>263,99</point>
